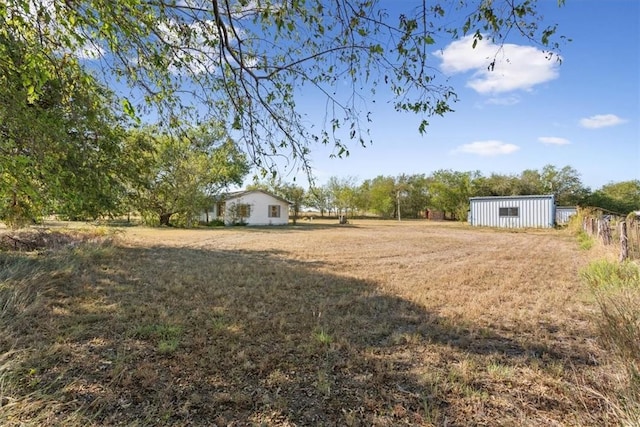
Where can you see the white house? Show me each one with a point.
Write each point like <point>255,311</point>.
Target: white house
<point>254,207</point>
<point>537,211</point>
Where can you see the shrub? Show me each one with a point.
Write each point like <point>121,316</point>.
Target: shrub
<point>215,223</point>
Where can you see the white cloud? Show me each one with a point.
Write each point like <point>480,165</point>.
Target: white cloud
<point>44,14</point>
<point>194,52</point>
<point>553,140</point>
<point>601,120</point>
<point>487,148</point>
<point>498,68</point>
<point>504,100</point>
<point>89,51</point>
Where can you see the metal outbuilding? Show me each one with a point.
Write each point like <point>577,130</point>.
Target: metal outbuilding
<point>564,214</point>
<point>536,211</point>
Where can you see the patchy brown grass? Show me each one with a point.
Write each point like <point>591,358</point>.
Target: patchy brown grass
<point>372,323</point>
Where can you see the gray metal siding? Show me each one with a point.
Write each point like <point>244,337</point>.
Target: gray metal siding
<point>564,213</point>
<point>533,211</point>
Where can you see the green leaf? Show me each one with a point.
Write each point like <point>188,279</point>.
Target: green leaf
<point>128,108</point>
<point>237,124</point>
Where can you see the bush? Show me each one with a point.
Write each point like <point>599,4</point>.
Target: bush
<point>214,223</point>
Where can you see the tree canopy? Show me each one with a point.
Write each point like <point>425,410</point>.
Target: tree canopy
<point>180,175</point>
<point>619,197</point>
<point>246,63</point>
<point>60,143</point>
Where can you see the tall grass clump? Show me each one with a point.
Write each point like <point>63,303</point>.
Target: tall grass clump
<point>25,281</point>
<point>585,241</point>
<point>575,221</point>
<point>616,288</point>
<point>36,278</point>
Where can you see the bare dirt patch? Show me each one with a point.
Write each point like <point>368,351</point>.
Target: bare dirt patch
<point>372,323</point>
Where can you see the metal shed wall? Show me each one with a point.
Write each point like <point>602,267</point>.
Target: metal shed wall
<point>533,211</point>
<point>564,213</point>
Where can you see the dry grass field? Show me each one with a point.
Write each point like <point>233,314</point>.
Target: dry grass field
<point>372,323</point>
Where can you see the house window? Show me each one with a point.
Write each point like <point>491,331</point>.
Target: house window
<point>243,211</point>
<point>509,212</point>
<point>274,211</point>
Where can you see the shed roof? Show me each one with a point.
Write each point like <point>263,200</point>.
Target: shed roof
<point>532,196</point>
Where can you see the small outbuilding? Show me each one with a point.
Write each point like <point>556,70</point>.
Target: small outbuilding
<point>564,214</point>
<point>535,211</point>
<point>253,207</point>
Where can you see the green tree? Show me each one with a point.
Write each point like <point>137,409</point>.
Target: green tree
<point>564,184</point>
<point>245,61</point>
<point>60,140</point>
<point>416,195</point>
<point>621,197</point>
<point>342,194</point>
<point>184,172</point>
<point>496,185</point>
<point>296,195</point>
<point>318,198</point>
<point>382,195</point>
<point>450,192</point>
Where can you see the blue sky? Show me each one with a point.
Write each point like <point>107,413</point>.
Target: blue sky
<point>528,112</point>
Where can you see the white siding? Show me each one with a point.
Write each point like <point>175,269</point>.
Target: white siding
<point>259,203</point>
<point>211,215</point>
<point>564,213</point>
<point>532,211</point>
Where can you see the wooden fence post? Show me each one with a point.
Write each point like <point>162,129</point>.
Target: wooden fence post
<point>607,233</point>
<point>624,241</point>
<point>604,231</point>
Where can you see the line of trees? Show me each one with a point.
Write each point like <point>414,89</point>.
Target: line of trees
<point>200,71</point>
<point>448,191</point>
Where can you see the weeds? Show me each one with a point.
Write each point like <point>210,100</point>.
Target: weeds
<point>166,336</point>
<point>322,337</point>
<point>500,371</point>
<point>585,242</point>
<point>616,287</point>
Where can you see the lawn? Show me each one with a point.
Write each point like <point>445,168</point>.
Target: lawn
<point>374,323</point>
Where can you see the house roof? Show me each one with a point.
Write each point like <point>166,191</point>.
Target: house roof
<point>533,196</point>
<point>236,194</point>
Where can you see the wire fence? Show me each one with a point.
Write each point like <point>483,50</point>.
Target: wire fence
<point>613,229</point>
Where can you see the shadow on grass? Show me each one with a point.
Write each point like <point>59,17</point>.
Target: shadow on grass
<point>173,336</point>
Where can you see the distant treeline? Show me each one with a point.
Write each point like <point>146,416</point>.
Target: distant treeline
<point>447,192</point>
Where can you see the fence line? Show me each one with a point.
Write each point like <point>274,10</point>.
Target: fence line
<point>610,229</point>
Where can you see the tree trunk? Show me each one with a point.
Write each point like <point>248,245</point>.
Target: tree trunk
<point>164,218</point>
